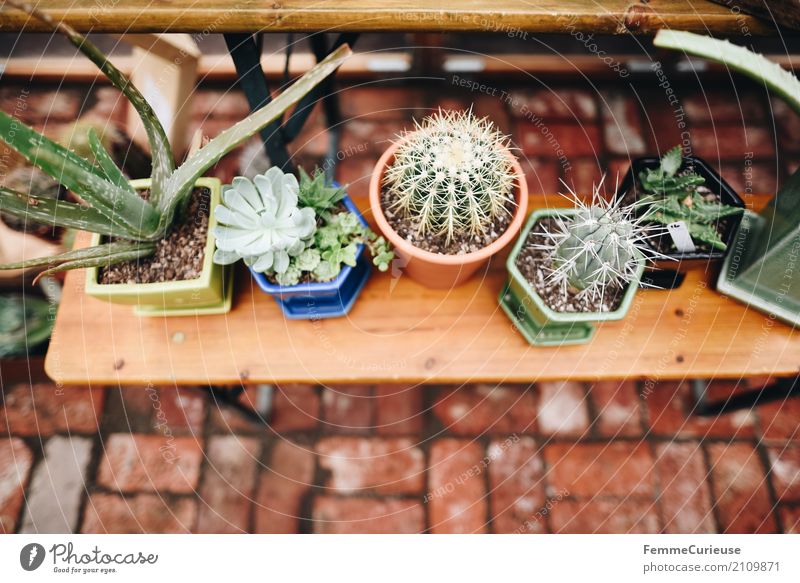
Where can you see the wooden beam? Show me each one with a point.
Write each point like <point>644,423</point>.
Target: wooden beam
<point>511,17</point>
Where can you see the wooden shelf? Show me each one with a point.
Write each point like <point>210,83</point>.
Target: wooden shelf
<point>503,16</point>
<point>401,332</point>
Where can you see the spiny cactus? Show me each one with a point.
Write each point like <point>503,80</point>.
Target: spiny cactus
<point>602,245</point>
<point>681,196</point>
<point>452,175</point>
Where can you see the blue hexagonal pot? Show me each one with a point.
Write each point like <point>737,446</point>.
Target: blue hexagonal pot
<point>330,299</point>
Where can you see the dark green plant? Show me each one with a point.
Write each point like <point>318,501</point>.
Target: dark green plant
<point>316,193</point>
<point>25,323</point>
<point>112,207</point>
<point>677,195</point>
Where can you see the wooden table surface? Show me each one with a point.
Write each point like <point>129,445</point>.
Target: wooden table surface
<point>504,16</point>
<point>399,331</point>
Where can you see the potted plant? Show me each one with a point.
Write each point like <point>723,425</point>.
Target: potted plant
<point>698,207</point>
<point>573,267</point>
<point>448,195</point>
<point>151,245</point>
<point>761,270</point>
<point>303,241</point>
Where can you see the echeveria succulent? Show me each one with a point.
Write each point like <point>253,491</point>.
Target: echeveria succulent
<point>261,223</point>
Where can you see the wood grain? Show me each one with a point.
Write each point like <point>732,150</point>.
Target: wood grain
<point>399,331</point>
<point>504,16</point>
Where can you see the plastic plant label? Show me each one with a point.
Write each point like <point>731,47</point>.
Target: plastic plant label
<point>681,237</point>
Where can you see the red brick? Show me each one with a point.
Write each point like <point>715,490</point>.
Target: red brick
<point>671,406</point>
<point>313,140</point>
<point>229,420</point>
<point>45,409</point>
<point>182,410</point>
<point>347,409</point>
<point>732,141</point>
<point>785,466</point>
<point>380,103</point>
<point>495,109</point>
<point>622,124</point>
<point>15,466</point>
<point>723,106</point>
<point>129,409</point>
<point>398,409</point>
<point>618,409</point>
<point>664,123</point>
<point>356,172</point>
<point>516,486</point>
<point>757,178</point>
<point>557,139</point>
<point>369,137</point>
<point>787,125</point>
<point>473,410</point>
<point>615,469</point>
<point>228,486</point>
<point>295,408</point>
<point>583,177</point>
<point>457,496</point>
<point>110,104</point>
<point>604,516</point>
<point>779,419</point>
<point>563,409</point>
<point>616,171</point>
<point>367,516</point>
<point>230,104</point>
<point>542,175</point>
<point>564,104</point>
<point>54,105</point>
<point>386,466</point>
<point>685,494</point>
<point>284,483</point>
<point>790,517</point>
<point>142,513</point>
<point>134,463</point>
<point>740,489</point>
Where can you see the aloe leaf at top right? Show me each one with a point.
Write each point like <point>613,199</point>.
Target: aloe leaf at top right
<point>737,58</point>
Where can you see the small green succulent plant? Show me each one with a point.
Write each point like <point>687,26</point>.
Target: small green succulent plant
<point>261,223</point>
<point>452,175</point>
<point>292,231</point>
<point>676,195</point>
<point>111,207</point>
<point>603,244</point>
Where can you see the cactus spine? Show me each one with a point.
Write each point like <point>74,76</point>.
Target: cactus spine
<point>603,244</point>
<point>452,175</point>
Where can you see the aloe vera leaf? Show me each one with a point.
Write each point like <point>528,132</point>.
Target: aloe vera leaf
<point>160,150</point>
<point>59,213</point>
<point>80,176</point>
<point>105,253</point>
<point>112,173</point>
<point>105,261</point>
<point>737,58</point>
<point>183,179</point>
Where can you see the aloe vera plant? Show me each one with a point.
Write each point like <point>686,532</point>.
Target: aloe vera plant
<point>734,57</point>
<point>112,207</point>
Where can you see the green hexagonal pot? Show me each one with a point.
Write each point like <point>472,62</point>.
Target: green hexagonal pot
<point>540,325</point>
<point>208,294</point>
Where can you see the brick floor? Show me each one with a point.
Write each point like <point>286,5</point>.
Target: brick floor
<point>549,457</point>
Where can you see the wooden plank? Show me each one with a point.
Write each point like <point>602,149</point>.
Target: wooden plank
<point>400,331</point>
<point>503,16</point>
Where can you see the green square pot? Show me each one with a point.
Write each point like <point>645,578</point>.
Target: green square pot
<point>540,325</point>
<point>208,294</point>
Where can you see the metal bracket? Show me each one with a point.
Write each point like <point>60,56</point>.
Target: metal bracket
<point>780,390</point>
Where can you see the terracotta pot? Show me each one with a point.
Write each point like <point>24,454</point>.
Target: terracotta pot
<point>437,270</point>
